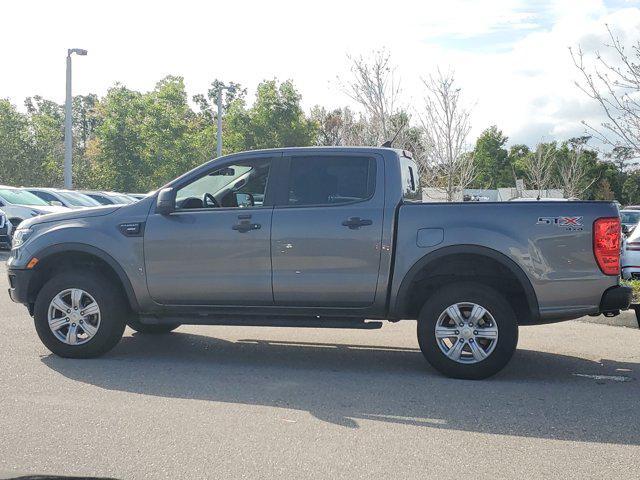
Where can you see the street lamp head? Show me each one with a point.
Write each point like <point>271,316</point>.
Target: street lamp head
<point>78,51</point>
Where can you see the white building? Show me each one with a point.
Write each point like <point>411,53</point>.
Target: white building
<point>431,194</point>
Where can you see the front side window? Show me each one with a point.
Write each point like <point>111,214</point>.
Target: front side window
<point>239,185</point>
<point>330,180</point>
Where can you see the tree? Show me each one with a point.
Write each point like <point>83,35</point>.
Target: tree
<point>604,191</point>
<point>374,87</point>
<point>612,79</point>
<point>274,120</point>
<point>539,166</point>
<point>16,161</point>
<point>492,159</point>
<point>446,164</point>
<point>631,188</point>
<point>207,103</point>
<point>337,127</point>
<point>574,170</point>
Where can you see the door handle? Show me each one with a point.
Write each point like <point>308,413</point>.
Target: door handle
<point>356,222</point>
<point>245,226</point>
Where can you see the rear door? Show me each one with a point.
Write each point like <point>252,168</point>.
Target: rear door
<point>327,229</point>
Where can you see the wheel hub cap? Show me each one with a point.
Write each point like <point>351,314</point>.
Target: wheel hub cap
<point>73,316</point>
<point>466,332</point>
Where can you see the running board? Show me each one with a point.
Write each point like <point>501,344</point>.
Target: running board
<point>250,321</point>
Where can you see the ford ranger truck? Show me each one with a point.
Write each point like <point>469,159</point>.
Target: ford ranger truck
<point>318,237</point>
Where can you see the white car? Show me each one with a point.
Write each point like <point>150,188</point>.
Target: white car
<point>630,258</point>
<point>6,230</point>
<point>65,198</point>
<point>20,205</point>
<point>629,219</point>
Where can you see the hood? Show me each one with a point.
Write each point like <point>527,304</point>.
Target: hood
<point>67,214</point>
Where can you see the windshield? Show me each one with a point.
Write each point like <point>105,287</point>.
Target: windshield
<point>78,200</point>
<point>21,197</point>
<point>630,217</point>
<point>123,199</point>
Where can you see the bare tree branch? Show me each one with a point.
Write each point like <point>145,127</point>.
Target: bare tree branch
<point>539,165</point>
<point>446,163</point>
<point>615,86</point>
<point>373,86</point>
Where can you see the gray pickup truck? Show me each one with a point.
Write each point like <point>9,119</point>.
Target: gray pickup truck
<point>318,237</point>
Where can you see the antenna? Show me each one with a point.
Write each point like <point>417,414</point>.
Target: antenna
<point>388,143</point>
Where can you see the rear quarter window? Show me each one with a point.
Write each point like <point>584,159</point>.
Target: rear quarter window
<point>411,190</point>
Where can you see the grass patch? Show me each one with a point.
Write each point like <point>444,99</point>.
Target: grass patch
<point>635,286</point>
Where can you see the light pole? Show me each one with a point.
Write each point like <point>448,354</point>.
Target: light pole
<point>68,139</point>
<point>219,138</point>
<point>228,88</point>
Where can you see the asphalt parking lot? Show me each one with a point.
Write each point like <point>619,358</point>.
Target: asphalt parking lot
<point>228,402</point>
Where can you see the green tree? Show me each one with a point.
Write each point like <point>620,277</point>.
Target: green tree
<point>16,159</point>
<point>631,189</point>
<point>276,119</point>
<point>491,159</point>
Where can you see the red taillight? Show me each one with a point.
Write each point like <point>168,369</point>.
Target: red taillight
<point>606,244</point>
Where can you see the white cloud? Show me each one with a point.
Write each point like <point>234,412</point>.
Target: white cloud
<point>510,56</point>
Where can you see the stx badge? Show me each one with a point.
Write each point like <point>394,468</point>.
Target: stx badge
<point>568,223</point>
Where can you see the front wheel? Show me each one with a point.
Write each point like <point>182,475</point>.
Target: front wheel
<point>80,314</point>
<point>467,330</point>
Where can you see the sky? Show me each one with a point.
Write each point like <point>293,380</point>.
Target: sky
<point>510,57</point>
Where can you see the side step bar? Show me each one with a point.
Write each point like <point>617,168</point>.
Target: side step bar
<point>251,321</point>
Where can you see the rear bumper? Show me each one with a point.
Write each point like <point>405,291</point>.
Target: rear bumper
<point>19,285</point>
<point>615,299</point>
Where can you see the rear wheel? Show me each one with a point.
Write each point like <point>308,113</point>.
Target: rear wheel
<point>80,314</point>
<point>139,327</point>
<point>467,330</point>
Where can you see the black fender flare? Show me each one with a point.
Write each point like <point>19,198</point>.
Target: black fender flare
<point>513,267</point>
<point>96,252</point>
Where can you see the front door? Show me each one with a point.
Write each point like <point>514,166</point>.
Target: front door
<point>214,249</point>
<point>327,231</point>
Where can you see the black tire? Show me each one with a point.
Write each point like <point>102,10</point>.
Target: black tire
<point>139,327</point>
<point>494,303</point>
<point>113,310</point>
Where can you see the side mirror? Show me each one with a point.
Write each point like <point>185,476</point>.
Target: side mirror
<point>56,203</point>
<point>244,200</point>
<point>166,201</point>
<point>625,229</point>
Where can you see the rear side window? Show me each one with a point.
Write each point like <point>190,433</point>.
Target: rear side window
<point>411,190</point>
<point>47,197</point>
<point>331,180</point>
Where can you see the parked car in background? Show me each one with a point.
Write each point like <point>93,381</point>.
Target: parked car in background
<point>629,220</point>
<point>631,207</point>
<point>20,205</point>
<point>109,198</point>
<point>137,196</point>
<point>6,229</point>
<point>630,258</point>
<point>65,198</point>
